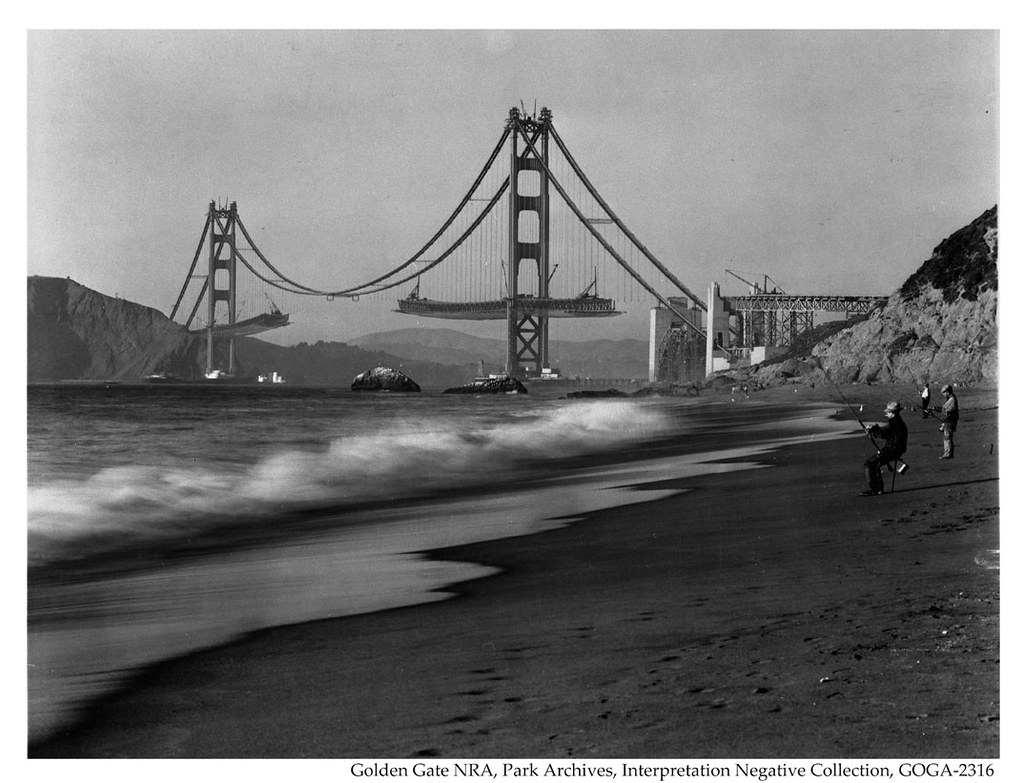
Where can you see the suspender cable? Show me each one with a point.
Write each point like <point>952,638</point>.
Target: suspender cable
<point>275,283</point>
<point>356,289</point>
<point>604,243</point>
<point>650,256</point>
<point>497,196</point>
<point>362,289</point>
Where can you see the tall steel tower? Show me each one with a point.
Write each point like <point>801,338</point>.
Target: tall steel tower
<point>528,241</point>
<point>223,257</point>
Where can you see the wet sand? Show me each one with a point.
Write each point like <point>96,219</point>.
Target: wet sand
<point>766,613</point>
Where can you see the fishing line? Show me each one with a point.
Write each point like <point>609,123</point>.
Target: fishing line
<point>857,417</point>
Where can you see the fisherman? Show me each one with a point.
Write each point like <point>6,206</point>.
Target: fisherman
<point>926,397</point>
<point>950,415</point>
<point>895,433</point>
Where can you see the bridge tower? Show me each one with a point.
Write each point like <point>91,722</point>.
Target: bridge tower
<point>223,257</point>
<point>529,214</point>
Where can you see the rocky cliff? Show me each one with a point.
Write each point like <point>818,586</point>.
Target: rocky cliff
<point>75,333</point>
<point>941,325</point>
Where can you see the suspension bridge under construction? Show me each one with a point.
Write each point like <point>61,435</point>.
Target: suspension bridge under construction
<point>530,241</point>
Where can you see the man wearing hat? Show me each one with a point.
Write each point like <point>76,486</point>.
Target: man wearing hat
<point>895,433</point>
<point>950,416</point>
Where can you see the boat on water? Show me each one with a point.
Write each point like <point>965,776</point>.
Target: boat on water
<point>550,374</point>
<point>552,377</point>
<point>274,377</point>
<point>161,377</point>
<point>482,376</point>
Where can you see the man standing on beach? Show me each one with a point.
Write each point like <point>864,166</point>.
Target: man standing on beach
<point>895,433</point>
<point>950,417</point>
<point>926,398</point>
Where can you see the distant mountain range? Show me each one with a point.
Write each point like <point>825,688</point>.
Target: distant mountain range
<point>590,358</point>
<point>76,333</point>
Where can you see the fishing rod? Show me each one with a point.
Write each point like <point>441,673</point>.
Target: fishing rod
<point>857,417</point>
<point>901,468</point>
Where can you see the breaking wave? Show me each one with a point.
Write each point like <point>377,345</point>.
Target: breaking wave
<point>133,505</point>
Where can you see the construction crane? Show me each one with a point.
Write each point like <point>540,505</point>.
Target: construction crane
<point>755,288</point>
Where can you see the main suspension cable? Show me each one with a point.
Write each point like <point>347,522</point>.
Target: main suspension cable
<point>364,287</point>
<point>191,269</point>
<point>604,243</point>
<point>622,226</point>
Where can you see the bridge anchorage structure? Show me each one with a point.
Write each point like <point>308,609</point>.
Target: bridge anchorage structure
<point>751,328</point>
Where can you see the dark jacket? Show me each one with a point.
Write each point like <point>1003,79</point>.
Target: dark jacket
<point>895,433</point>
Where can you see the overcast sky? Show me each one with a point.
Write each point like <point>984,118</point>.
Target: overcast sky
<point>833,161</point>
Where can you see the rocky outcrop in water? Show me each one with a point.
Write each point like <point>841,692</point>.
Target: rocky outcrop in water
<point>384,379</point>
<point>591,394</point>
<point>491,386</point>
<point>676,389</point>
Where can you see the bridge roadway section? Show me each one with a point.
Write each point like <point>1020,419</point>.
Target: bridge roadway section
<point>548,307</point>
<point>774,303</point>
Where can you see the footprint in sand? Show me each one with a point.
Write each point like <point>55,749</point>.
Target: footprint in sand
<point>642,617</point>
<point>717,704</point>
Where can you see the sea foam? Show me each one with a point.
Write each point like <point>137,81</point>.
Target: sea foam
<point>402,458</point>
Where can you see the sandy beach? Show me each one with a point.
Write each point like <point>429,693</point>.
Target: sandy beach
<point>763,613</point>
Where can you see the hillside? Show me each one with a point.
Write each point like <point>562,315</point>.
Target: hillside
<point>593,358</point>
<point>940,326</point>
<point>75,333</point>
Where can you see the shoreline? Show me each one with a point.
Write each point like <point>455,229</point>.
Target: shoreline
<point>760,608</point>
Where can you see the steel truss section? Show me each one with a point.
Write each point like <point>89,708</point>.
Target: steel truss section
<point>773,303</point>
<point>778,319</point>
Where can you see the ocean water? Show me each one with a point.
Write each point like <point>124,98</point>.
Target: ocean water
<point>165,519</point>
